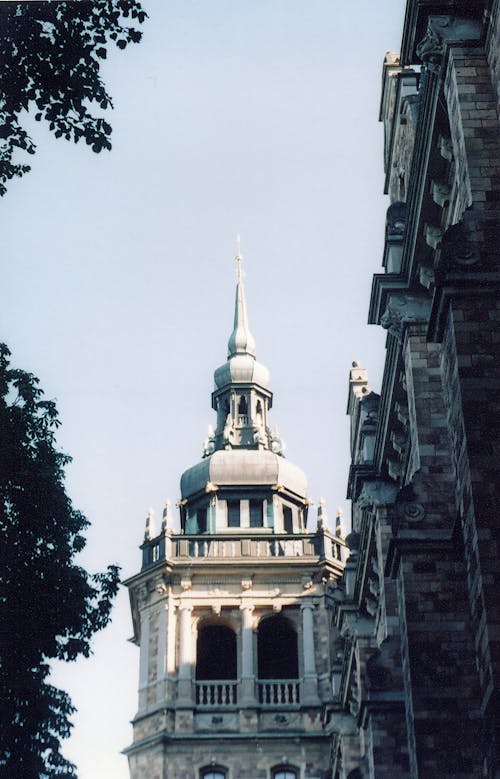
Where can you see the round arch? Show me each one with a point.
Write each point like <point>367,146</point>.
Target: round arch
<point>216,651</point>
<point>277,648</point>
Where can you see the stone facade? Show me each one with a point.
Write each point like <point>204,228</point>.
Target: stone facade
<point>416,614</point>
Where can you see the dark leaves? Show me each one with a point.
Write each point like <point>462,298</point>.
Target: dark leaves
<point>50,54</point>
<point>50,607</point>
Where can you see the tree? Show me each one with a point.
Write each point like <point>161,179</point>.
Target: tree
<point>50,55</point>
<point>50,607</point>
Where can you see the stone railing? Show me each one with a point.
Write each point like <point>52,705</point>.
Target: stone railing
<point>215,693</point>
<point>261,547</point>
<point>278,693</point>
<point>271,693</point>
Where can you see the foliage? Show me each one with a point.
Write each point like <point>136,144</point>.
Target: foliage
<point>49,606</point>
<point>50,55</point>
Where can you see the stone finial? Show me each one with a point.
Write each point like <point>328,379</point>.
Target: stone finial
<point>358,380</point>
<point>322,523</point>
<point>339,530</point>
<point>209,442</point>
<point>166,524</point>
<point>149,530</point>
<point>277,444</point>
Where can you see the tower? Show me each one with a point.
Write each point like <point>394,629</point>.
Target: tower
<point>230,614</point>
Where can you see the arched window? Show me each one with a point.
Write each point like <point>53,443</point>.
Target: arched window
<point>213,773</point>
<point>242,406</point>
<point>277,649</point>
<point>284,772</point>
<point>216,653</point>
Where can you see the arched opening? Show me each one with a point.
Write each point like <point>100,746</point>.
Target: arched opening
<point>277,649</point>
<point>259,414</point>
<point>284,772</point>
<point>213,772</point>
<point>216,653</point>
<point>242,406</point>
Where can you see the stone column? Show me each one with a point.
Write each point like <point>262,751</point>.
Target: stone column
<point>184,691</point>
<point>162,647</point>
<point>144,659</point>
<point>247,669</point>
<point>310,679</point>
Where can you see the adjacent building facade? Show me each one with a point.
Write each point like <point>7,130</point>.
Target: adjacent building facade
<point>416,617</point>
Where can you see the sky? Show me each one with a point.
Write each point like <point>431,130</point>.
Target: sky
<point>257,117</point>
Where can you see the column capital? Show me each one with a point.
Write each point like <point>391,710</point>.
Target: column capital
<point>245,606</point>
<point>307,604</point>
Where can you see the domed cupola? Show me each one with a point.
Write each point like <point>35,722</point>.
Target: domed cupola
<point>243,481</point>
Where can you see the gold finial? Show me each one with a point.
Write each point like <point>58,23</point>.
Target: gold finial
<point>239,257</point>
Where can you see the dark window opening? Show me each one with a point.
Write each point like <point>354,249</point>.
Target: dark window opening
<point>242,406</point>
<point>277,649</point>
<point>201,518</point>
<point>233,513</point>
<point>216,653</point>
<point>287,519</point>
<point>256,513</point>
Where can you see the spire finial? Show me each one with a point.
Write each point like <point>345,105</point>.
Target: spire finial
<point>241,340</point>
<point>239,257</point>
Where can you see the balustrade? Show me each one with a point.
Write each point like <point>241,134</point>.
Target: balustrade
<point>278,693</point>
<point>260,546</point>
<point>215,693</point>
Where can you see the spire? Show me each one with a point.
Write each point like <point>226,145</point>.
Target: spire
<point>241,340</point>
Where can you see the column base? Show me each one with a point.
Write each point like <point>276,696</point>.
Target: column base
<point>247,693</point>
<point>309,691</point>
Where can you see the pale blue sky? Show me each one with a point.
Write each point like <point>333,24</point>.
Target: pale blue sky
<point>250,116</point>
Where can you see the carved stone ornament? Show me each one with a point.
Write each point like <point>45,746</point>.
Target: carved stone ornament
<point>412,512</point>
<point>142,595</point>
<point>426,276</point>
<point>440,192</point>
<point>445,146</point>
<point>433,235</point>
<point>377,493</point>
<point>460,246</point>
<point>355,626</point>
<point>396,220</point>
<point>441,29</point>
<point>404,309</point>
